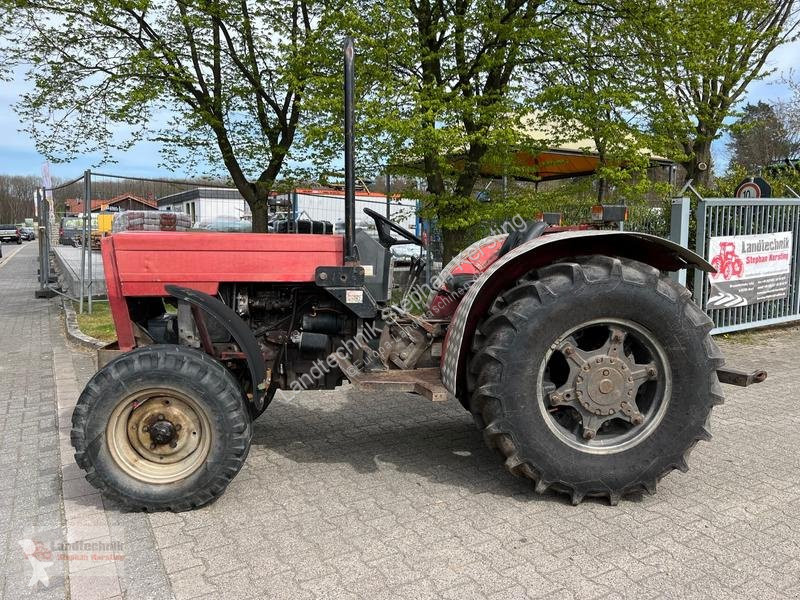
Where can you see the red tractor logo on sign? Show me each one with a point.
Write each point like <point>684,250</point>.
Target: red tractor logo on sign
<point>727,263</point>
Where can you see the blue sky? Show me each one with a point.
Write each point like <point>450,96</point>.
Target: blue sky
<point>18,155</point>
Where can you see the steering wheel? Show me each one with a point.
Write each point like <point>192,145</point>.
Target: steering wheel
<point>385,228</point>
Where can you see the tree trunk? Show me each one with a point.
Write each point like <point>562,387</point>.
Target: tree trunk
<point>260,210</point>
<point>454,241</point>
<point>698,167</point>
<point>259,206</point>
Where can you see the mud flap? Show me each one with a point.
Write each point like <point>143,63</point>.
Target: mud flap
<point>239,331</point>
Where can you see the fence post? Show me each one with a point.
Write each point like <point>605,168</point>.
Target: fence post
<point>40,232</point>
<point>679,230</point>
<point>88,185</point>
<point>700,248</point>
<point>83,244</point>
<point>44,250</point>
<point>388,195</point>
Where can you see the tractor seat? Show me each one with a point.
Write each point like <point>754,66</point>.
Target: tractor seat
<point>516,238</point>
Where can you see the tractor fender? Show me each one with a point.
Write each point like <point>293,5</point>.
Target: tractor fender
<point>239,331</point>
<point>652,250</point>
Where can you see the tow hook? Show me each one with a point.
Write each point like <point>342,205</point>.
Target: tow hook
<point>741,378</point>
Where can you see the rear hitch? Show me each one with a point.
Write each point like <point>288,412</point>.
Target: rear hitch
<point>740,378</point>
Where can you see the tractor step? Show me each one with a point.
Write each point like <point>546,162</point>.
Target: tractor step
<point>426,382</point>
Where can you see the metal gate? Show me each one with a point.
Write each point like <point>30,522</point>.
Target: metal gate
<point>717,218</point>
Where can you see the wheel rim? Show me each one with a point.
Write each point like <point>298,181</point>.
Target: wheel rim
<point>604,386</point>
<point>159,435</point>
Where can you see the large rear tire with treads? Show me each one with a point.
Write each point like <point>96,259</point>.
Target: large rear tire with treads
<point>594,376</point>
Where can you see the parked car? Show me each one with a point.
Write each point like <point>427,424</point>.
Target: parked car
<point>225,223</point>
<point>10,233</point>
<point>28,233</point>
<point>69,232</point>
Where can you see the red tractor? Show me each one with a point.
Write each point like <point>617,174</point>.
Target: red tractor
<point>587,369</point>
<point>727,263</point>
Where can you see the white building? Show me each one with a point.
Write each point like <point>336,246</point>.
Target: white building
<point>207,204</point>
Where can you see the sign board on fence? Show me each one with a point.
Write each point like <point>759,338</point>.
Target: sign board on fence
<point>750,268</point>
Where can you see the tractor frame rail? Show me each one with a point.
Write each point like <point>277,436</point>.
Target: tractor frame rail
<point>741,378</point>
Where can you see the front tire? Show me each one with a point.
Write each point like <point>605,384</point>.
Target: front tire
<point>594,377</point>
<point>163,427</point>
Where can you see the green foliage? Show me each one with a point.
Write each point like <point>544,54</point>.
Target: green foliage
<point>701,56</point>
<point>593,94</point>
<point>217,82</point>
<point>760,137</point>
<point>446,91</point>
<point>440,94</point>
<point>783,181</point>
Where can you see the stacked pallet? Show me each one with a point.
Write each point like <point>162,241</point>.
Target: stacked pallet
<point>151,220</point>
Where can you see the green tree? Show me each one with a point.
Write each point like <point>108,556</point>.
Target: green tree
<point>229,74</point>
<point>701,56</point>
<point>760,138</point>
<point>594,92</point>
<point>439,95</point>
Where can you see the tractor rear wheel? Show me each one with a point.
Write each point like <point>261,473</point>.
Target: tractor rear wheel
<point>163,427</point>
<point>594,377</point>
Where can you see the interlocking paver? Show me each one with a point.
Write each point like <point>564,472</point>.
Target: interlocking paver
<point>30,492</point>
<point>348,495</point>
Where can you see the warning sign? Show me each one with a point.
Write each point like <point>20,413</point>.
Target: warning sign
<point>753,187</point>
<point>750,269</point>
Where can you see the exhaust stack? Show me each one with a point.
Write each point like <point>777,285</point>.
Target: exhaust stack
<point>350,252</point>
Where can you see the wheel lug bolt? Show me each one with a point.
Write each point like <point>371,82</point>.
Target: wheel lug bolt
<point>160,417</point>
<point>610,411</point>
<point>569,351</point>
<point>588,434</point>
<point>651,372</point>
<point>637,419</point>
<point>605,372</point>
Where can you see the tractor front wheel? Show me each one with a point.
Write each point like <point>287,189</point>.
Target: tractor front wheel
<point>594,377</point>
<point>161,428</point>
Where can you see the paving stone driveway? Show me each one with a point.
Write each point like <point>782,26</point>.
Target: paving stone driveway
<point>348,495</point>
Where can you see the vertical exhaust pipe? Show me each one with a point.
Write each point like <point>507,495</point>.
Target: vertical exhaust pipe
<point>350,252</point>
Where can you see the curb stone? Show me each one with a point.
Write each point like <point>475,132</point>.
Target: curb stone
<point>74,333</point>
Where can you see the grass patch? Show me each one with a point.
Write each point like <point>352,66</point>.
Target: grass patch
<point>99,324</point>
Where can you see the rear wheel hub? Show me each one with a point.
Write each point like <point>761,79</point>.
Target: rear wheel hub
<point>606,386</point>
